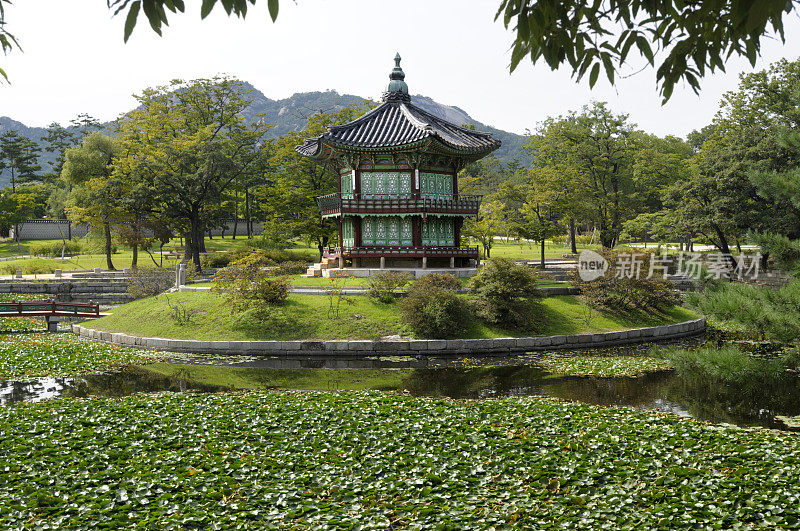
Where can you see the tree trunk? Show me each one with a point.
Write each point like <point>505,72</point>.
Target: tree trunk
<point>542,262</point>
<point>573,244</point>
<point>200,243</point>
<point>247,213</point>
<point>187,251</point>
<point>197,236</point>
<point>135,257</point>
<point>109,263</point>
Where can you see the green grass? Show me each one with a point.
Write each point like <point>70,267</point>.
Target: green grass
<point>9,247</point>
<point>532,251</point>
<point>339,461</point>
<point>306,317</point>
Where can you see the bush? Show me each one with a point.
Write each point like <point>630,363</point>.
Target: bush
<point>626,294</point>
<point>265,290</point>
<point>434,311</point>
<point>292,267</point>
<point>772,313</point>
<point>268,257</point>
<point>439,280</point>
<point>383,285</point>
<point>149,282</point>
<point>505,293</point>
<point>248,286</point>
<point>53,249</point>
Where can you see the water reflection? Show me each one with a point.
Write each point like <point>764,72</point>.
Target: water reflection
<point>118,383</point>
<point>669,392</point>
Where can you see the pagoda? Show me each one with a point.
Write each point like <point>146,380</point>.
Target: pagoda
<point>397,204</point>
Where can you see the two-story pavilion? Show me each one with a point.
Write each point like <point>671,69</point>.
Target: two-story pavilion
<point>397,203</point>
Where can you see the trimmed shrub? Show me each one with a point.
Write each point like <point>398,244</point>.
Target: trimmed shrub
<point>505,293</point>
<point>53,249</point>
<point>433,311</point>
<point>149,282</point>
<point>383,285</point>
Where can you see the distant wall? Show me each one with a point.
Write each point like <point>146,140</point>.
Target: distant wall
<point>50,229</point>
<point>55,229</point>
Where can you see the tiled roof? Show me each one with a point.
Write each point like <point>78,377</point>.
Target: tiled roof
<point>397,123</point>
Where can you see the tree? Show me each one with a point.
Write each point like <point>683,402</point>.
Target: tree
<point>57,140</point>
<point>726,198</point>
<point>187,143</point>
<point>294,181</point>
<point>20,155</point>
<point>95,195</point>
<point>13,210</point>
<point>487,226</point>
<point>695,36</point>
<point>597,147</point>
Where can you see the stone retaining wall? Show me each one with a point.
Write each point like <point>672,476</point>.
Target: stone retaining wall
<point>103,292</point>
<point>421,347</point>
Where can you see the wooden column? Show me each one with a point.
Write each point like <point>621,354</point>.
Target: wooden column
<point>357,231</point>
<point>457,223</point>
<point>455,183</point>
<point>416,231</point>
<point>341,235</point>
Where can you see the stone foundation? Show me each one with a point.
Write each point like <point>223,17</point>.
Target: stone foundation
<point>412,347</point>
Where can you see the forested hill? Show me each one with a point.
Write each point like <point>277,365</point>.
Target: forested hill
<point>291,114</point>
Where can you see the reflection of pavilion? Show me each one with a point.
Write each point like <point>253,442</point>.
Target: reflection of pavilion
<point>398,203</point>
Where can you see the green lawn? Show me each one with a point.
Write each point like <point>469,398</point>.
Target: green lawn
<point>306,316</point>
<point>531,250</point>
<point>266,460</point>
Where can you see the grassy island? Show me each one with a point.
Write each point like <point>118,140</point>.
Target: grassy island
<point>306,317</point>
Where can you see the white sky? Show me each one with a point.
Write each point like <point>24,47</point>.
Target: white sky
<point>75,61</point>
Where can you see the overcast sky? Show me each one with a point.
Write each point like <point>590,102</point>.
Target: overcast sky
<point>75,61</point>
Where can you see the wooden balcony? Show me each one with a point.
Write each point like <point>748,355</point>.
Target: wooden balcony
<point>401,252</point>
<point>365,204</point>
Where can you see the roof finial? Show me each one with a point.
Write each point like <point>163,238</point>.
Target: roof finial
<point>397,89</point>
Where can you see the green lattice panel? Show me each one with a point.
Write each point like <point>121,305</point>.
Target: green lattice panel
<point>385,183</point>
<point>435,184</point>
<point>347,184</point>
<point>348,232</point>
<point>438,232</point>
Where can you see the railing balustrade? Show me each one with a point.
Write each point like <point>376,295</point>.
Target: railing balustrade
<point>351,202</point>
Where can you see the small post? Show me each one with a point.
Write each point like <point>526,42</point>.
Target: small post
<point>341,262</point>
<point>97,270</point>
<point>424,262</point>
<point>57,273</point>
<point>126,272</point>
<point>52,324</point>
<point>452,262</point>
<point>383,262</point>
<point>18,274</point>
<point>180,275</point>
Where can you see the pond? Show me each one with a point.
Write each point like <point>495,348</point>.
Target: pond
<point>753,405</point>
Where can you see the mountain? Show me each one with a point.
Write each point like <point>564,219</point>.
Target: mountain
<point>291,114</point>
